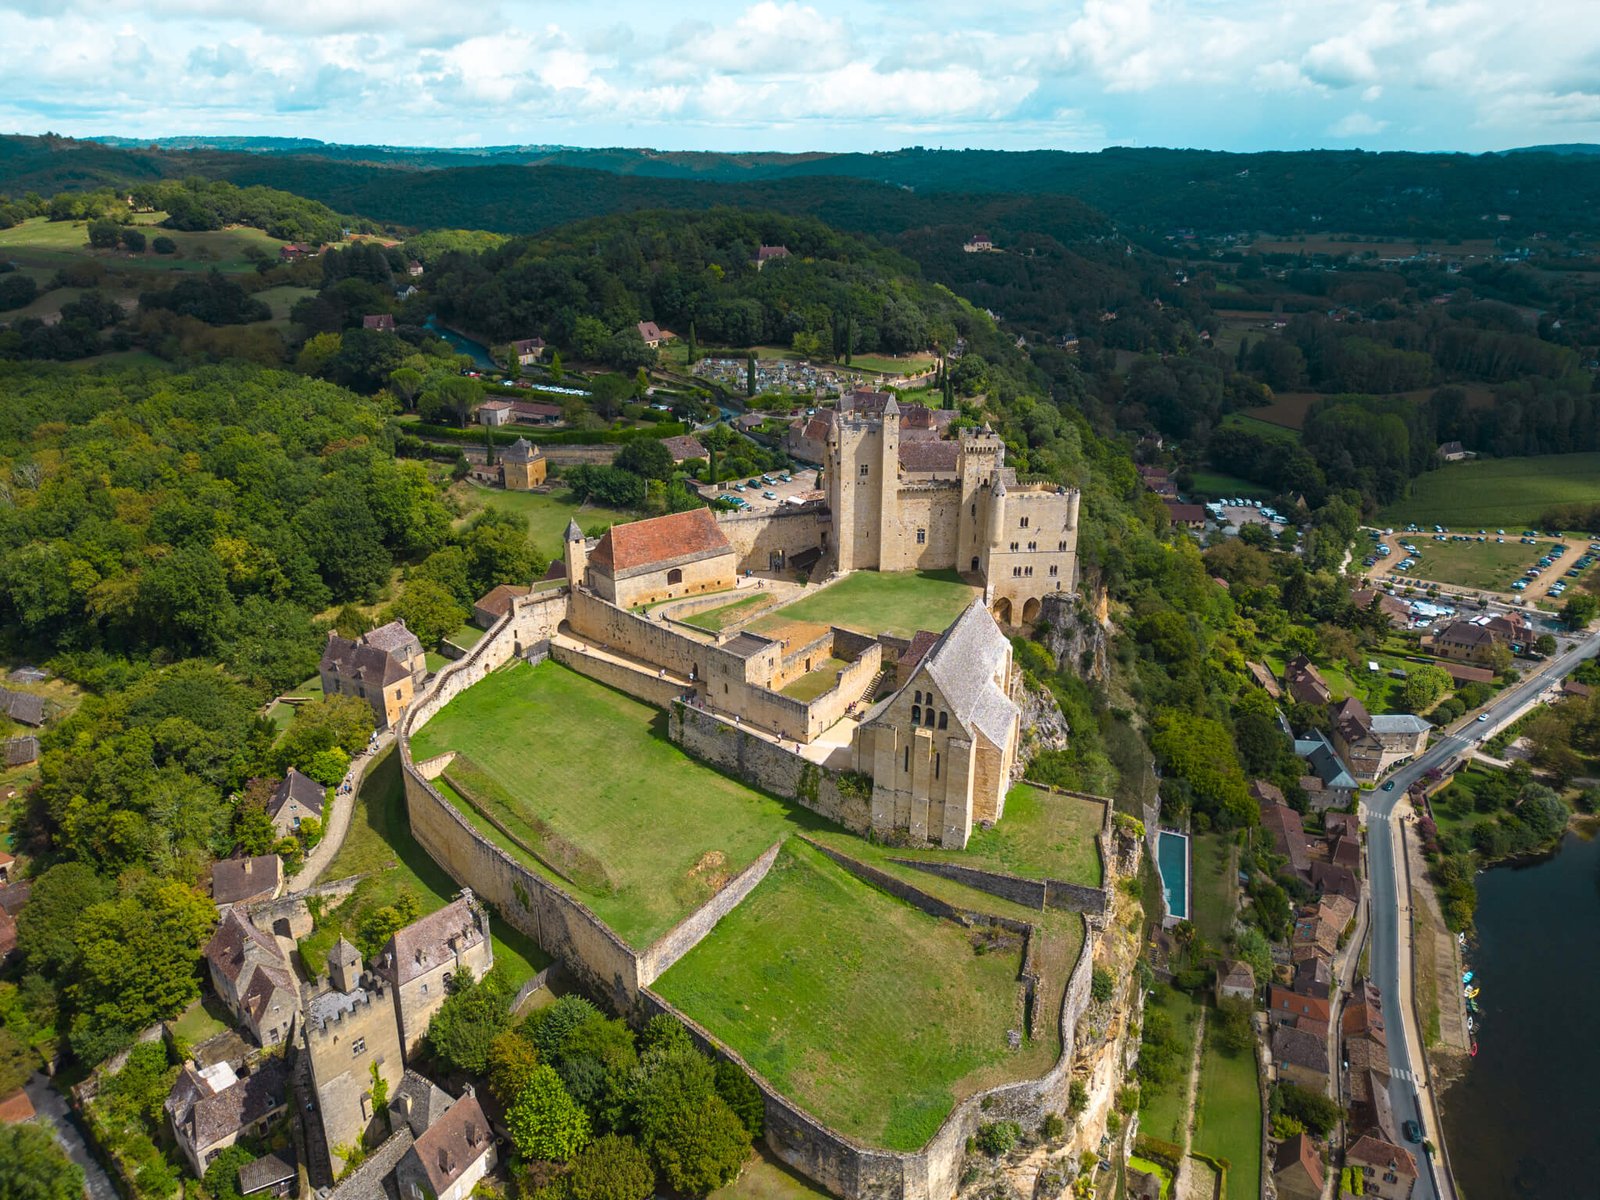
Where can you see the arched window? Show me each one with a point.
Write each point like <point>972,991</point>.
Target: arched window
<point>916,698</point>
<point>675,575</point>
<point>927,717</point>
<point>916,712</point>
<point>944,720</point>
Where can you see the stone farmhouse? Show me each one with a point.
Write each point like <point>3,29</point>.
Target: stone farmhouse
<point>1480,639</point>
<point>252,976</point>
<point>384,667</point>
<point>212,1108</point>
<point>645,561</point>
<point>297,798</point>
<point>528,350</point>
<point>1369,744</point>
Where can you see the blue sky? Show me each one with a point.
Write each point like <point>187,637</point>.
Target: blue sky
<point>824,75</point>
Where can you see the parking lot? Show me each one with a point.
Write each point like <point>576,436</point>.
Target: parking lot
<point>1522,565</point>
<point>764,493</point>
<point>1239,514</point>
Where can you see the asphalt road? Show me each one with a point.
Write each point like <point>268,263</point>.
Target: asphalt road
<point>1384,962</point>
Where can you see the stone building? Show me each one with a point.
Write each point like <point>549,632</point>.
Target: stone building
<point>297,798</point>
<point>1388,1172</point>
<point>252,977</point>
<point>450,1156</point>
<point>940,749</point>
<point>246,880</point>
<point>907,505</point>
<point>350,1036</point>
<point>662,558</point>
<point>420,960</point>
<point>1372,745</point>
<point>384,667</point>
<point>212,1108</point>
<point>523,466</point>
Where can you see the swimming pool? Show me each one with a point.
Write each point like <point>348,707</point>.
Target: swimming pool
<point>1172,860</point>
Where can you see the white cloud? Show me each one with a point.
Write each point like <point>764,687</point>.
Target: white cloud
<point>1357,124</point>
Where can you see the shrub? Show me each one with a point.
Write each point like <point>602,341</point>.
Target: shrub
<point>740,1094</point>
<point>549,1027</point>
<point>545,1122</point>
<point>164,245</point>
<point>1077,1097</point>
<point>1102,985</point>
<point>997,1137</point>
<point>1052,1127</point>
<point>611,1168</point>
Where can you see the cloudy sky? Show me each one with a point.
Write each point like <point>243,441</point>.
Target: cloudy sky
<point>823,74</point>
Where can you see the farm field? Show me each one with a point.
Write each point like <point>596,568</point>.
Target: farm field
<point>868,1012</point>
<point>379,845</point>
<point>1228,1124</point>
<point>1246,422</point>
<point>547,513</point>
<point>872,602</point>
<point>1288,409</point>
<point>586,774</point>
<point>1492,492</point>
<point>39,242</point>
<point>283,298</point>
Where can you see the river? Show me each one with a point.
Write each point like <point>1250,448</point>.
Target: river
<point>1524,1124</point>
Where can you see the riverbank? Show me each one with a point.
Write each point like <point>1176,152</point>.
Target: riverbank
<point>1520,1122</point>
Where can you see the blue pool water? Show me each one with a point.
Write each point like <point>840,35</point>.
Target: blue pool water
<point>477,351</point>
<point>1172,860</point>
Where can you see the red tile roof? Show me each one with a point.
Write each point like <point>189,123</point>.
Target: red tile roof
<point>643,544</point>
<point>16,1108</point>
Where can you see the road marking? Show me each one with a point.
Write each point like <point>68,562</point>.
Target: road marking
<point>1405,1075</point>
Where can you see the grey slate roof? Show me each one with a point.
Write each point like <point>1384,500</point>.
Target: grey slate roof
<point>930,457</point>
<point>238,941</point>
<point>394,638</point>
<point>425,944</point>
<point>237,879</point>
<point>419,1102</point>
<point>21,750</point>
<point>205,1117</point>
<point>302,789</point>
<point>520,451</point>
<point>264,1172</point>
<point>23,706</point>
<point>363,662</point>
<point>1399,723</point>
<point>963,664</point>
<point>453,1143</point>
<point>1300,1048</point>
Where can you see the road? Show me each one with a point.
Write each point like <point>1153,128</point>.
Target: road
<point>1391,947</point>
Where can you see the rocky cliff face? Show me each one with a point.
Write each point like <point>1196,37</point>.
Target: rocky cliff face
<point>1043,727</point>
<point>1076,631</point>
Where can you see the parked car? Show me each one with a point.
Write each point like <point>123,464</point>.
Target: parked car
<point>1413,1131</point>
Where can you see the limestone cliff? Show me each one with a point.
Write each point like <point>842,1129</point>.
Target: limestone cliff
<point>1076,630</point>
<point>1044,727</point>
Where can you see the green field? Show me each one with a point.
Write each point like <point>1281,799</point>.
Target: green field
<point>1488,564</point>
<point>871,1014</point>
<point>592,768</point>
<point>1162,1111</point>
<point>898,603</point>
<point>1042,836</point>
<point>281,299</point>
<point>547,514</point>
<point>1262,429</point>
<point>1494,492</point>
<point>379,845</point>
<point>1214,485</point>
<point>1229,1116</point>
<point>38,242</point>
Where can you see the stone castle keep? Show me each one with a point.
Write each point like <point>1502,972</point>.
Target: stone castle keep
<point>928,504</point>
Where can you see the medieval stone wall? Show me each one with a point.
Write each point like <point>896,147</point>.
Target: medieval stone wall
<point>761,763</point>
<point>642,685</point>
<point>686,934</point>
<point>759,538</point>
<point>933,509</point>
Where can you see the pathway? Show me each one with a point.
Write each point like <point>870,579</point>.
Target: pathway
<point>344,804</point>
<point>58,1117</point>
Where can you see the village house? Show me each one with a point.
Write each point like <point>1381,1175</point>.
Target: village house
<point>420,960</point>
<point>1297,1169</point>
<point>447,1159</point>
<point>653,335</point>
<point>25,708</point>
<point>269,1175</point>
<point>1454,452</point>
<point>212,1108</point>
<point>766,254</point>
<point>1397,612</point>
<point>496,413</point>
<point>383,667</point>
<point>496,603</point>
<point>1236,981</point>
<point>252,977</point>
<point>1371,745</point>
<point>296,798</point>
<point>1479,639</point>
<point>1288,833</point>
<point>1186,516</point>
<point>1313,977</point>
<point>20,751</point>
<point>246,880</point>
<point>528,350</point>
<point>684,447</point>
<point>681,554</point>
<point>523,467</point>
<point>1329,783</point>
<point>414,269</point>
<point>381,322</point>
<point>1300,1056</point>
<point>16,1108</point>
<point>1285,1007</point>
<point>978,243</point>
<point>1264,679</point>
<point>1388,1171</point>
<point>1305,684</point>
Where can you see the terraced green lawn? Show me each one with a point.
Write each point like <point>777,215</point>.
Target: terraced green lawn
<point>547,513</point>
<point>1229,1107</point>
<point>715,620</point>
<point>1215,885</point>
<point>1162,1110</point>
<point>1042,836</point>
<point>593,767</point>
<point>894,602</point>
<point>869,1013</point>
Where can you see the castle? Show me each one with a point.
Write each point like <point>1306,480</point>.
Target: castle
<point>899,504</point>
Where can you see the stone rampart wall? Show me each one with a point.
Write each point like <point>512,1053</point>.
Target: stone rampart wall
<point>640,684</point>
<point>686,934</point>
<point>761,763</point>
<point>1031,893</point>
<point>756,537</point>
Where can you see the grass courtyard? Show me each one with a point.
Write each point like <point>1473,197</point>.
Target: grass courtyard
<point>379,845</point>
<point>1214,885</point>
<point>1490,492</point>
<point>587,774</point>
<point>1228,1124</point>
<point>898,603</point>
<point>871,1014</point>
